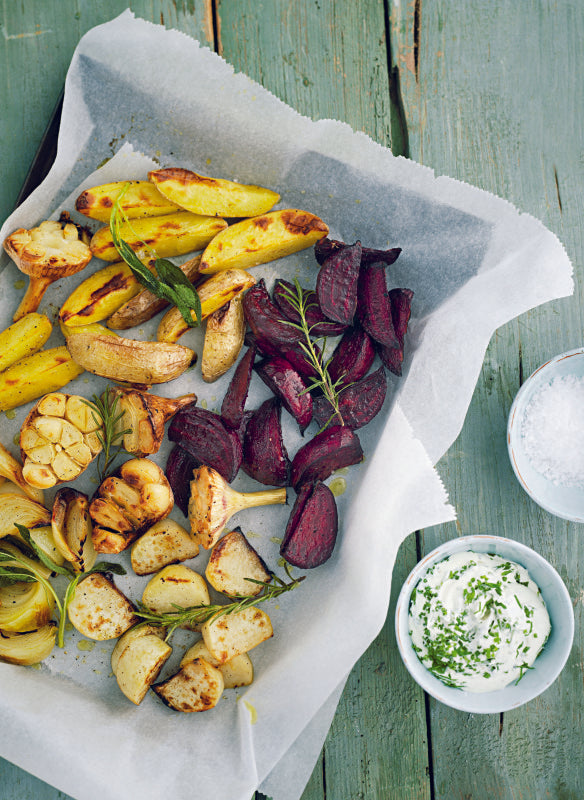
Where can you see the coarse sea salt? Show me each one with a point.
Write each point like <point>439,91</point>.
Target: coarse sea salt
<point>553,431</point>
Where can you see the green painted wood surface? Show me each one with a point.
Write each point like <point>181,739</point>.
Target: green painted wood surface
<point>485,92</point>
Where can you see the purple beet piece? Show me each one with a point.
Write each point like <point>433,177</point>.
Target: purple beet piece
<point>265,318</point>
<point>202,434</point>
<point>294,354</point>
<point>236,394</point>
<point>392,358</point>
<point>317,322</point>
<point>326,452</point>
<point>353,356</point>
<point>312,528</point>
<point>358,403</point>
<point>336,284</point>
<point>281,377</point>
<point>326,247</point>
<point>179,471</point>
<point>264,455</point>
<point>401,306</point>
<point>374,305</point>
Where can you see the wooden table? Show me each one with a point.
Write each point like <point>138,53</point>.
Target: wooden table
<point>487,92</point>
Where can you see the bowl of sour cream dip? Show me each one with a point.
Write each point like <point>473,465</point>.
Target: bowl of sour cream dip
<point>484,624</point>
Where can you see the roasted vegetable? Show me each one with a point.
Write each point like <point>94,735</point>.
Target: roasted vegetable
<point>129,360</point>
<point>352,357</point>
<point>202,434</point>
<point>145,416</point>
<point>332,449</point>
<point>23,338</point>
<point>223,340</point>
<point>139,665</point>
<point>10,468</point>
<point>374,305</point>
<point>327,247</point>
<point>58,440</point>
<point>401,306</point>
<point>214,293</point>
<point>133,633</point>
<point>317,322</point>
<point>197,686</point>
<point>264,454</point>
<point>237,672</point>
<point>26,649</point>
<point>266,320</point>
<point>230,635</point>
<point>261,239</point>
<point>358,403</point>
<point>126,506</point>
<point>179,471</point>
<point>140,199</point>
<point>99,610</point>
<point>232,562</point>
<point>236,394</point>
<point>212,196</point>
<point>99,295</point>
<point>311,531</point>
<point>25,607</point>
<point>32,377</point>
<point>164,543</point>
<point>213,503</point>
<point>336,284</point>
<point>286,383</point>
<point>175,585</point>
<point>17,508</point>
<point>169,235</point>
<point>43,539</point>
<point>71,526</point>
<point>46,253</point>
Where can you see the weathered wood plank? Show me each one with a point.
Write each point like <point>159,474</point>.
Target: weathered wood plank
<point>492,96</point>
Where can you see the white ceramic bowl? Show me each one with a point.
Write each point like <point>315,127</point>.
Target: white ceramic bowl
<point>562,501</point>
<point>549,663</point>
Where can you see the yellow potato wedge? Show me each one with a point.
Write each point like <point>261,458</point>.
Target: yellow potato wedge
<point>21,509</point>
<point>26,649</point>
<point>126,639</point>
<point>99,295</point>
<point>224,337</point>
<point>139,665</point>
<point>23,338</point>
<point>232,560</point>
<point>141,199</point>
<point>214,293</point>
<point>197,686</point>
<point>175,585</point>
<point>25,607</point>
<point>99,610</point>
<point>212,196</point>
<point>32,377</point>
<point>128,360</point>
<point>236,633</point>
<point>261,239</point>
<point>163,544</point>
<point>171,235</point>
<point>237,672</point>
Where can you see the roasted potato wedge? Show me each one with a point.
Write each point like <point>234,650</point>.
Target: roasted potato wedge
<point>139,665</point>
<point>261,239</point>
<point>99,295</point>
<point>21,509</point>
<point>99,610</point>
<point>126,639</point>
<point>224,337</point>
<point>212,196</point>
<point>32,377</point>
<point>175,585</point>
<point>164,543</point>
<point>141,199</point>
<point>197,686</point>
<point>170,235</point>
<point>232,634</point>
<point>26,649</point>
<point>25,607</point>
<point>232,561</point>
<point>23,338</point>
<point>71,527</point>
<point>237,672</point>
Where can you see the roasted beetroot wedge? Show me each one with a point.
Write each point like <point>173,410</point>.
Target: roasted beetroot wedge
<point>374,305</point>
<point>358,403</point>
<point>326,452</point>
<point>202,434</point>
<point>353,356</point>
<point>326,247</point>
<point>281,377</point>
<point>401,307</point>
<point>294,354</point>
<point>336,284</point>
<point>312,528</point>
<point>236,394</point>
<point>179,471</point>
<point>264,454</point>
<point>265,318</point>
<point>317,322</point>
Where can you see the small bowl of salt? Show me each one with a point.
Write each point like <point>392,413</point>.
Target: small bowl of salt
<point>545,435</point>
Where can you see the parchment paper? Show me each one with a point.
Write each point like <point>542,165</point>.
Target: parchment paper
<point>473,261</point>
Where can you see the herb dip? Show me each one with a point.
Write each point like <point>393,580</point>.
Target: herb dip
<point>477,621</point>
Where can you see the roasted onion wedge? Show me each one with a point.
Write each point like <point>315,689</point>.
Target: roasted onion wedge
<point>26,649</point>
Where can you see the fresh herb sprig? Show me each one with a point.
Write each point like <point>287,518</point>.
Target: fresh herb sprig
<point>106,414</point>
<point>323,381</point>
<point>28,571</point>
<point>169,283</point>
<point>200,614</point>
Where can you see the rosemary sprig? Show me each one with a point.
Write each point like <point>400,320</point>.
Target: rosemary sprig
<point>331,389</point>
<point>170,283</point>
<point>105,414</point>
<point>200,614</point>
